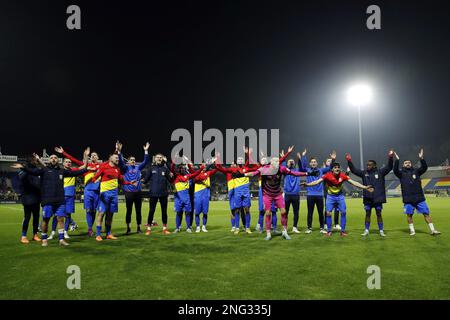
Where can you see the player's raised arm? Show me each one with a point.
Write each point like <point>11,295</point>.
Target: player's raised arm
<point>359,185</point>
<point>146,156</point>
<point>68,156</point>
<point>397,171</point>
<point>353,169</point>
<point>423,164</point>
<point>312,183</point>
<point>386,169</point>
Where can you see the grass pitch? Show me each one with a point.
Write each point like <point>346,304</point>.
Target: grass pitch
<point>220,265</point>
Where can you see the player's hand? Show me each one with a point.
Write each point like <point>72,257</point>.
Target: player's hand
<point>421,154</point>
<point>391,153</point>
<point>135,183</point>
<point>146,146</point>
<point>282,153</point>
<point>303,153</point>
<point>333,155</point>
<point>348,157</point>
<point>36,156</point>
<point>59,149</point>
<point>290,149</point>
<point>118,146</point>
<point>17,166</point>
<point>87,151</point>
<point>165,159</point>
<point>370,188</point>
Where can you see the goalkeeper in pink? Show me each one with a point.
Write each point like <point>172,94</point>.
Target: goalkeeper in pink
<point>271,175</point>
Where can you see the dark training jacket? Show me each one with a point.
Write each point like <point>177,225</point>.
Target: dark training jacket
<point>374,178</point>
<point>52,182</point>
<point>410,181</point>
<point>158,177</point>
<point>30,188</point>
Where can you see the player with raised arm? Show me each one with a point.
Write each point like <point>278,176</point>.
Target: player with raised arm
<point>202,194</point>
<point>132,172</point>
<point>91,188</point>
<point>336,199</point>
<point>376,178</point>
<point>412,192</point>
<point>260,225</point>
<point>314,194</point>
<point>110,178</point>
<point>52,192</point>
<point>271,185</point>
<point>182,201</point>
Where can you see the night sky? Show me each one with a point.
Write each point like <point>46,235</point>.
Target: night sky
<point>136,72</point>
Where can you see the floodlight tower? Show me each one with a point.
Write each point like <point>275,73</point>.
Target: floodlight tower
<point>359,95</point>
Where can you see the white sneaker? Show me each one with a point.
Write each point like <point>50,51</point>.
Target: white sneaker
<point>285,235</point>
<point>63,243</point>
<point>382,233</point>
<point>323,231</point>
<point>435,233</point>
<point>204,229</point>
<point>66,235</point>
<point>189,230</point>
<point>268,237</point>
<point>258,227</point>
<point>44,243</point>
<point>365,233</point>
<point>412,233</point>
<point>177,230</point>
<point>308,231</point>
<point>295,230</point>
<point>197,230</point>
<point>51,235</point>
<point>233,229</point>
<point>337,228</point>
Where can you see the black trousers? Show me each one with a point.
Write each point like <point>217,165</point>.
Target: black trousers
<point>315,201</point>
<point>293,200</point>
<point>136,199</point>
<point>28,211</point>
<point>153,202</point>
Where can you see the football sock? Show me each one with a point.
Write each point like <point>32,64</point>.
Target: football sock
<point>328,223</point>
<point>178,219</point>
<point>367,224</point>
<point>343,220</point>
<point>247,220</point>
<point>274,219</point>
<point>197,219</point>
<point>431,227</point>
<point>411,227</point>
<point>89,219</point>
<point>44,236</point>
<point>268,222</point>
<point>380,226</point>
<point>232,221</point>
<point>237,217</point>
<point>24,233</point>
<point>205,218</point>
<point>99,230</point>
<point>188,220</point>
<point>61,234</point>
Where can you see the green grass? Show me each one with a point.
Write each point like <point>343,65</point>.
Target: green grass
<point>220,265</point>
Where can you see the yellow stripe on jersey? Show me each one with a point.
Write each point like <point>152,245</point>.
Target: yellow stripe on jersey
<point>202,184</point>
<point>109,185</point>
<point>334,189</point>
<point>88,177</point>
<point>239,182</point>
<point>230,184</point>
<point>69,181</point>
<point>180,186</point>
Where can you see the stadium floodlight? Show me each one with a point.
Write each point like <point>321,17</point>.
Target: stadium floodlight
<point>359,95</point>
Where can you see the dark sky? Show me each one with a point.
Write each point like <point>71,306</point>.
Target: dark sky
<point>140,69</point>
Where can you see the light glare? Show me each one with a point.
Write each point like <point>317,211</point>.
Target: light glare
<point>359,95</point>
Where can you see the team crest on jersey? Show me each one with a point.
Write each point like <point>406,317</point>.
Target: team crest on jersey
<point>340,179</point>
<point>162,173</point>
<point>60,177</point>
<point>376,176</point>
<point>414,176</point>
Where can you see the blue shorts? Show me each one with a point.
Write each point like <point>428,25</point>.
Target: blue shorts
<point>421,207</point>
<point>372,205</point>
<point>231,199</point>
<point>241,198</point>
<point>49,210</point>
<point>201,201</point>
<point>108,201</point>
<point>335,202</point>
<point>182,201</point>
<point>70,204</point>
<point>91,199</point>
